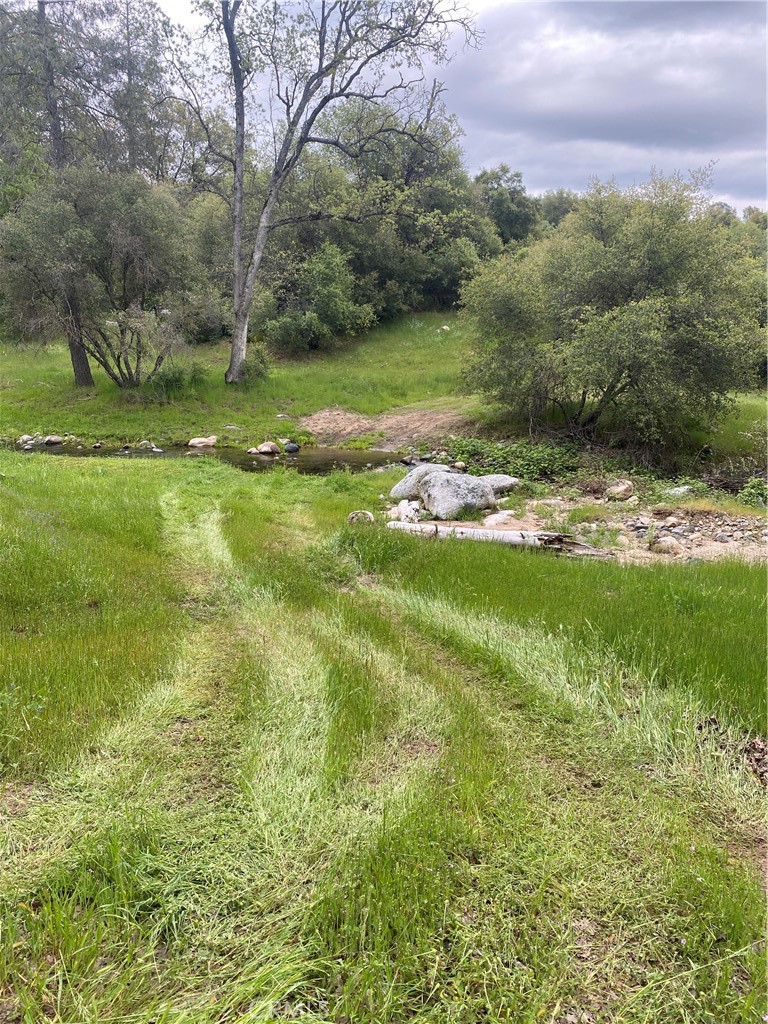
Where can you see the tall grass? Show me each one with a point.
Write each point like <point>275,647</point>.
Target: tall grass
<point>701,627</point>
<point>88,606</point>
<point>372,781</point>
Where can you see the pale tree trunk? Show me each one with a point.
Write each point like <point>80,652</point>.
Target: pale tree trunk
<point>244,286</point>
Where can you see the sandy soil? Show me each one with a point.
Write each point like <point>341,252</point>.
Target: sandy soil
<point>398,429</point>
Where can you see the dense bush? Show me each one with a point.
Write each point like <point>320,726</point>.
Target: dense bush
<point>637,304</point>
<point>321,308</point>
<point>755,492</point>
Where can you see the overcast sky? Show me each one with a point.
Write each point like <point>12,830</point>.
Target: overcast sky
<point>569,91</point>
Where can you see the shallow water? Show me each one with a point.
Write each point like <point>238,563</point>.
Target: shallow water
<point>316,461</point>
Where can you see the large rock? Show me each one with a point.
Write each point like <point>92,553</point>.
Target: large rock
<point>408,488</point>
<point>500,482</point>
<point>450,495</point>
<point>666,545</point>
<point>620,491</point>
<point>203,442</point>
<point>268,448</point>
<point>53,439</point>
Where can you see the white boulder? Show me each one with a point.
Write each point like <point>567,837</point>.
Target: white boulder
<point>203,442</point>
<point>450,495</point>
<point>620,491</point>
<point>408,487</point>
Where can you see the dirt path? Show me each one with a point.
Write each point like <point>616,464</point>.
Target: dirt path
<point>396,429</point>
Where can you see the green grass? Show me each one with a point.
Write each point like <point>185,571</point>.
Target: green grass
<point>400,364</point>
<point>354,776</point>
<point>700,627</point>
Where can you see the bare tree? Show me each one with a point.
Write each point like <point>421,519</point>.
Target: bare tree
<point>299,60</point>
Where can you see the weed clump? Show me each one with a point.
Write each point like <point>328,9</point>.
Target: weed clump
<point>533,460</point>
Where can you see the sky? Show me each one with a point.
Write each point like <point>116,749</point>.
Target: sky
<point>566,92</point>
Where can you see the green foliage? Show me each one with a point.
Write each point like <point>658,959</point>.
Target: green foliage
<point>255,367</point>
<point>528,459</point>
<point>755,492</point>
<point>638,303</point>
<point>99,255</point>
<point>502,195</point>
<point>321,309</point>
<point>176,379</point>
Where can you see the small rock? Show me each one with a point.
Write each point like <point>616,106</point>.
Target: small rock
<point>268,448</point>
<point>25,439</point>
<point>155,450</point>
<point>557,503</point>
<point>28,448</point>
<point>632,500</point>
<point>202,442</point>
<point>722,538</point>
<point>666,546</point>
<point>97,445</point>
<point>461,466</point>
<point>407,460</point>
<point>231,426</point>
<point>360,516</point>
<point>498,519</point>
<point>678,492</point>
<point>737,535</point>
<point>621,541</point>
<point>292,447</point>
<point>407,511</point>
<point>282,416</point>
<point>620,491</point>
<point>53,439</point>
<point>146,444</point>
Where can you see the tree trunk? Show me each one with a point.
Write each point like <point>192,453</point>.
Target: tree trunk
<point>79,357</point>
<point>239,346</point>
<point>243,308</point>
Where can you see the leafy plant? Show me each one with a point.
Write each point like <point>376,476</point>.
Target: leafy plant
<point>529,459</point>
<point>755,492</point>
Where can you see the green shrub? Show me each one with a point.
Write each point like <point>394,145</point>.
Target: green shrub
<point>321,307</point>
<point>173,380</point>
<point>529,459</point>
<point>256,365</point>
<point>755,492</point>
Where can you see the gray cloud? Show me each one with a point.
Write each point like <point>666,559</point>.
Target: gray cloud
<point>568,91</point>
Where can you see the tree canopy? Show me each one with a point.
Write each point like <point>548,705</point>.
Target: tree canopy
<point>639,301</point>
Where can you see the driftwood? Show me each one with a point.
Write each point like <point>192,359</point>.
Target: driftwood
<point>525,538</point>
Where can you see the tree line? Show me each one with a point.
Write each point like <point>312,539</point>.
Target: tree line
<point>291,176</point>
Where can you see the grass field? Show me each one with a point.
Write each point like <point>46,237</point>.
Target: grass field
<point>396,365</point>
<point>259,766</point>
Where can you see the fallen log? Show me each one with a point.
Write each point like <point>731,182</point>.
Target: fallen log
<point>562,542</point>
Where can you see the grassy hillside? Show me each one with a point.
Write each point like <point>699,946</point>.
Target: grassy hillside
<point>400,364</point>
<point>259,765</point>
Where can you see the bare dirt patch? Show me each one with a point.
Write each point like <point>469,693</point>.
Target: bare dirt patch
<point>17,797</point>
<point>403,752</point>
<point>396,429</point>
